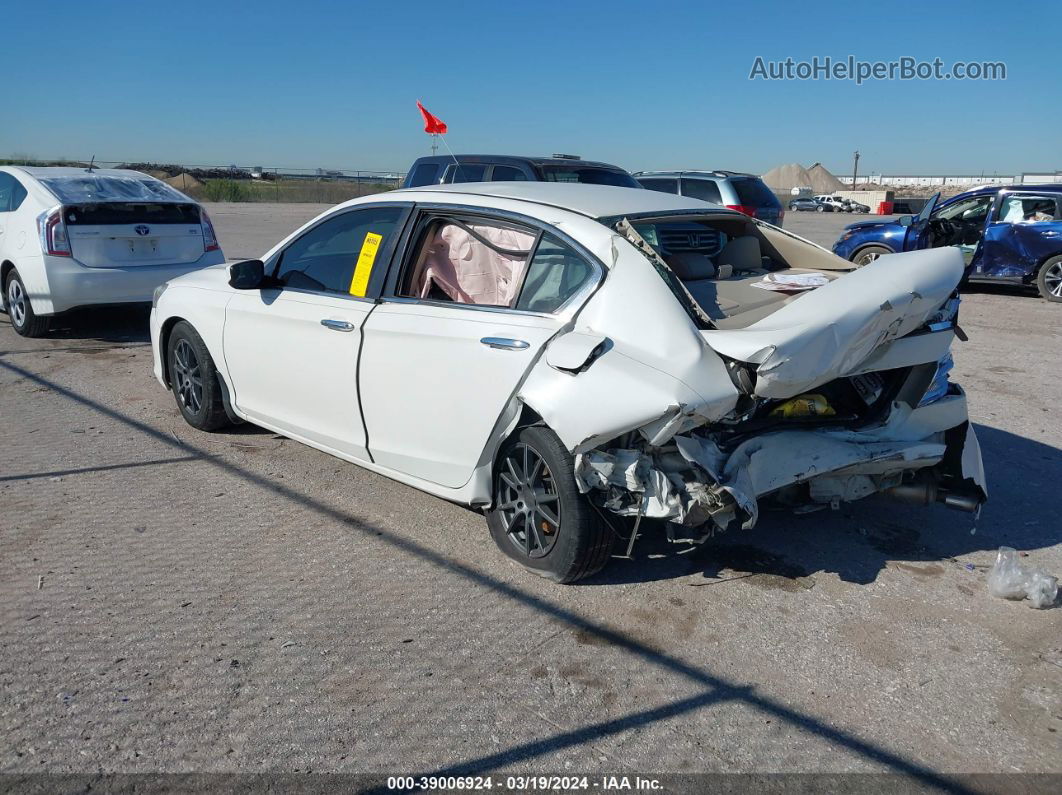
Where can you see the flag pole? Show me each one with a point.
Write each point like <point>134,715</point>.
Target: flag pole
<point>434,143</point>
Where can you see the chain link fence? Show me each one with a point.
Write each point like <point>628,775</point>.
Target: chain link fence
<point>233,183</point>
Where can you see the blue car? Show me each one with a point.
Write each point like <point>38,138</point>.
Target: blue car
<point>1007,235</point>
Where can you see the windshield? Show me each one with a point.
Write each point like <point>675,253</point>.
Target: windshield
<point>93,188</point>
<point>589,175</point>
<point>973,209</point>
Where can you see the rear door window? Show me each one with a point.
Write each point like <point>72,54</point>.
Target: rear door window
<point>1029,209</point>
<point>508,174</point>
<point>465,172</point>
<point>424,174</point>
<point>661,185</point>
<point>468,261</point>
<point>324,258</point>
<point>704,189</point>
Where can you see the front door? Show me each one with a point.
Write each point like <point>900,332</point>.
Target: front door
<point>292,350</point>
<point>465,319</point>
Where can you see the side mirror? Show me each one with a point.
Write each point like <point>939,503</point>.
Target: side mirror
<point>905,220</point>
<point>247,275</point>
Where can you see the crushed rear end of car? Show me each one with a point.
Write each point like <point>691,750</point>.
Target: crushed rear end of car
<point>806,401</point>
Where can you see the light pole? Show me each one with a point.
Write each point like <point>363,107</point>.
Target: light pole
<point>855,169</point>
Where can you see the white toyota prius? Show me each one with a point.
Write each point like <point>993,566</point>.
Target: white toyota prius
<point>574,359</point>
<point>73,237</point>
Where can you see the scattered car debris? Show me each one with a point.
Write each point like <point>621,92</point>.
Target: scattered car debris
<point>1008,579</point>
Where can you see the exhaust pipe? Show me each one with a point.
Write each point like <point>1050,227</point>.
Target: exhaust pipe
<point>926,492</point>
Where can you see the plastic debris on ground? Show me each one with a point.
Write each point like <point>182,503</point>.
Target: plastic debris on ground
<point>1008,579</point>
<point>791,282</point>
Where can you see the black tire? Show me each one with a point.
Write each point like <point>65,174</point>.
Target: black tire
<point>820,209</point>
<point>563,547</point>
<point>24,320</point>
<point>1049,280</point>
<point>868,254</point>
<point>194,379</point>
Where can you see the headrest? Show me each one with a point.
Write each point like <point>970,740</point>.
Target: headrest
<point>691,267</point>
<point>742,254</point>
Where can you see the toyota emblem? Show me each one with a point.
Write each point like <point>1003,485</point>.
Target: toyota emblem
<point>142,230</point>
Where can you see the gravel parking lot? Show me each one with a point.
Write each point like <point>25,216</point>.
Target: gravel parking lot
<point>180,601</point>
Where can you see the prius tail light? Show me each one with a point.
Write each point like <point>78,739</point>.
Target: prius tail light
<point>210,240</point>
<point>54,240</point>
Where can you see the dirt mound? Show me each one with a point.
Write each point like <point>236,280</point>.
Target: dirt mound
<point>823,181</point>
<point>784,178</point>
<point>183,181</point>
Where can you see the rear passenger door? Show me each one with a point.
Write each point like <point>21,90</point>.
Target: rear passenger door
<point>1027,229</point>
<point>459,325</point>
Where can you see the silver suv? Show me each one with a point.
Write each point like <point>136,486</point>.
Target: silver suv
<point>746,193</point>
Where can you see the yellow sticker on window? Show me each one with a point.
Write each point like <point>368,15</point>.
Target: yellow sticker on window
<point>363,269</point>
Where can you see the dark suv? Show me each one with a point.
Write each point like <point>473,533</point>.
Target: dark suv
<point>745,193</point>
<point>441,169</point>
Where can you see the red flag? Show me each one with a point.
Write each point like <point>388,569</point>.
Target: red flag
<point>432,124</point>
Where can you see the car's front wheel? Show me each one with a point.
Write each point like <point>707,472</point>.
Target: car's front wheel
<point>539,518</point>
<point>1049,279</point>
<point>867,255</point>
<point>19,309</point>
<point>194,379</point>
<point>821,208</point>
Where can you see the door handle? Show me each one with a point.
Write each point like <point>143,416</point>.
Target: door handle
<point>1050,233</point>
<point>505,344</point>
<point>337,325</point>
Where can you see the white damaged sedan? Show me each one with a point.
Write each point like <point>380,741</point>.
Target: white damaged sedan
<point>573,359</point>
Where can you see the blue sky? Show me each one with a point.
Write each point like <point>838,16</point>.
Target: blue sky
<point>644,85</point>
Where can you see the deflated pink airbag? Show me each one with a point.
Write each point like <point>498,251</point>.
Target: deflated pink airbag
<point>469,271</point>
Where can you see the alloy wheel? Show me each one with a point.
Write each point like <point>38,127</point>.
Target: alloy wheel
<point>528,501</point>
<point>867,257</point>
<point>1053,279</point>
<point>16,302</point>
<point>187,376</point>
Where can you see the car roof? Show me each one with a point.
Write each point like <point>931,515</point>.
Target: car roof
<point>45,172</point>
<point>593,201</point>
<point>516,159</point>
<point>717,173</point>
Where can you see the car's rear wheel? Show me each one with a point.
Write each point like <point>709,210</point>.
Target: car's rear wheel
<point>821,208</point>
<point>1049,279</point>
<point>539,518</point>
<point>867,255</point>
<point>19,309</point>
<point>194,379</point>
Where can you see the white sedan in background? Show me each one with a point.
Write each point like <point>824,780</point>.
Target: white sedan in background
<point>573,359</point>
<point>73,237</point>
